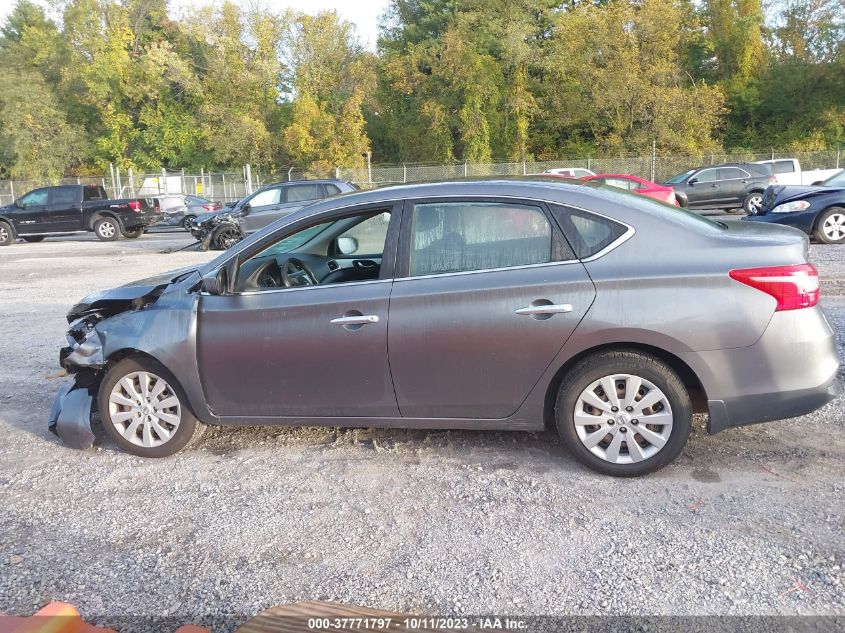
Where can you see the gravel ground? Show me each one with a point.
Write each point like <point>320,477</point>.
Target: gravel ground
<point>746,522</point>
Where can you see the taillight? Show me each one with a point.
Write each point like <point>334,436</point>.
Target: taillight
<point>135,205</point>
<point>209,207</point>
<point>773,180</point>
<point>793,287</point>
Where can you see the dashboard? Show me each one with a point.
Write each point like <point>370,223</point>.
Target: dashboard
<point>304,269</point>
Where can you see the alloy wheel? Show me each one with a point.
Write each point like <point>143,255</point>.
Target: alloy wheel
<point>144,409</point>
<point>834,226</point>
<point>623,418</point>
<point>4,234</point>
<point>107,229</point>
<point>755,203</point>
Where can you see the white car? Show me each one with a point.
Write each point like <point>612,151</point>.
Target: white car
<point>569,172</point>
<point>788,172</point>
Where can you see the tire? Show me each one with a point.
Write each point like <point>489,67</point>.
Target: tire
<point>225,237</point>
<point>107,229</point>
<point>118,412</point>
<point>186,222</point>
<point>753,202</point>
<point>7,235</point>
<point>830,226</point>
<point>658,443</point>
<point>131,234</point>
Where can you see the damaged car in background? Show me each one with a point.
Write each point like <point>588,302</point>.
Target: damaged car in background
<point>228,226</point>
<point>512,304</point>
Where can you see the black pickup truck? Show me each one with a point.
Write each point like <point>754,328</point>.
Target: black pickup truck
<point>71,208</point>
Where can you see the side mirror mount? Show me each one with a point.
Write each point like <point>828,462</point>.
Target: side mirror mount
<point>244,210</point>
<point>347,245</point>
<point>215,282</point>
<point>692,181</point>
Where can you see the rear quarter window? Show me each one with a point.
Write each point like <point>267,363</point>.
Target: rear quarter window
<point>587,233</point>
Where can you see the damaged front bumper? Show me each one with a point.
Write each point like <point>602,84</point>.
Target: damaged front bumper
<point>70,415</point>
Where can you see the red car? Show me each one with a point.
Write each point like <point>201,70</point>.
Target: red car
<point>637,185</point>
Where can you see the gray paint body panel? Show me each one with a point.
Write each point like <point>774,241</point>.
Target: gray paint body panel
<point>452,345</point>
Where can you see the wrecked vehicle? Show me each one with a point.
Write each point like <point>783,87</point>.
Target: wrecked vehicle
<point>224,228</point>
<point>510,303</point>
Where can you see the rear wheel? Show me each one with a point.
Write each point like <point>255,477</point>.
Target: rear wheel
<point>33,238</point>
<point>138,231</point>
<point>623,413</point>
<point>144,409</point>
<point>830,227</point>
<point>107,229</point>
<point>753,202</point>
<point>6,234</point>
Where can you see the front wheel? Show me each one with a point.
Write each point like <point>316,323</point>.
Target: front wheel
<point>144,409</point>
<point>225,237</point>
<point>6,234</point>
<point>107,229</point>
<point>133,233</point>
<point>753,203</point>
<point>830,227</point>
<point>623,413</point>
<point>186,222</point>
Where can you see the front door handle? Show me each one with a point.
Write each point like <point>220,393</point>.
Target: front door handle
<point>361,319</point>
<point>549,308</point>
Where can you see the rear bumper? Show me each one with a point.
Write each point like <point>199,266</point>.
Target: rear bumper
<point>790,371</point>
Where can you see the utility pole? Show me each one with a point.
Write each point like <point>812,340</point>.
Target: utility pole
<point>653,159</point>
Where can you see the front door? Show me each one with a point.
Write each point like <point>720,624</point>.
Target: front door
<point>490,293</point>
<point>314,350</point>
<point>30,214</point>
<point>262,205</point>
<point>704,188</point>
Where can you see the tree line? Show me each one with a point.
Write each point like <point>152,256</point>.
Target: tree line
<point>93,82</point>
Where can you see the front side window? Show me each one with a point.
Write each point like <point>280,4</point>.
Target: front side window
<point>448,237</point>
<point>300,193</point>
<point>708,175</point>
<point>266,197</point>
<point>33,199</point>
<point>366,238</point>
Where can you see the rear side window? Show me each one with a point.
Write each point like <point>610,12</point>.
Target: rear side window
<point>733,173</point>
<point>461,236</point>
<point>93,192</point>
<point>63,195</point>
<point>331,190</point>
<point>588,234</point>
<point>784,167</point>
<point>299,193</point>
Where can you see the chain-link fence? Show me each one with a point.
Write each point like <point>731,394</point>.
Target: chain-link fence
<point>230,186</point>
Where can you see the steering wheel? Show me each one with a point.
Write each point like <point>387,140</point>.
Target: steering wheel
<point>296,273</point>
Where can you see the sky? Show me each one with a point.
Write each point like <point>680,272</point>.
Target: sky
<point>363,13</point>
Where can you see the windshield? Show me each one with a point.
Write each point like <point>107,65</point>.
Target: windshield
<point>295,241</point>
<point>674,180</point>
<point>836,180</point>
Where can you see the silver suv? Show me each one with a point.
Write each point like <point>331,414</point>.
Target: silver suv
<point>222,229</point>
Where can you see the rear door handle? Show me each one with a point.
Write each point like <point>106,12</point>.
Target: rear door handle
<point>362,319</point>
<point>546,309</point>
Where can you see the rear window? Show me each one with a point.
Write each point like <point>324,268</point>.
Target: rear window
<point>784,167</point>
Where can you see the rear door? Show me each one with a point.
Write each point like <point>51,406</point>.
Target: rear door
<point>488,293</point>
<point>65,208</point>
<point>733,184</point>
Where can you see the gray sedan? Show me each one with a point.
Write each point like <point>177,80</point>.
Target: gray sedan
<point>505,305</point>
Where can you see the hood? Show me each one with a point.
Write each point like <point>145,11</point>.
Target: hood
<point>778,194</point>
<point>132,296</point>
<point>204,218</point>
